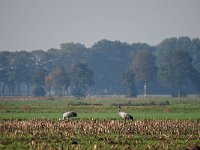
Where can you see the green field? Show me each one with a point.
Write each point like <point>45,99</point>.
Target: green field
<point>150,108</point>
<point>102,108</point>
<point>159,123</point>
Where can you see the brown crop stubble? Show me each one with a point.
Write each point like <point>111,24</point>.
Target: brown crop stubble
<point>113,134</point>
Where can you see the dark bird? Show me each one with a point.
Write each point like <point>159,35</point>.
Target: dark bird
<point>125,115</point>
<point>68,115</point>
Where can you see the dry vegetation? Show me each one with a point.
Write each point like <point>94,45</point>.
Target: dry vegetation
<point>99,134</point>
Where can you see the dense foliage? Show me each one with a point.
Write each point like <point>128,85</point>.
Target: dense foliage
<point>144,67</point>
<point>129,82</point>
<point>176,60</point>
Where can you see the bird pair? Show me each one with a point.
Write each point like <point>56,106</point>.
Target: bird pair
<point>124,115</point>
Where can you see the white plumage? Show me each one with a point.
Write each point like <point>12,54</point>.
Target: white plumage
<point>125,115</point>
<point>68,115</point>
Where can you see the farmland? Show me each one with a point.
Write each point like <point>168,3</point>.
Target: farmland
<point>99,134</point>
<point>159,124</point>
<point>101,108</point>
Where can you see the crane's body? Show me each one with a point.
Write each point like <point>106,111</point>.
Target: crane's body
<point>125,115</point>
<point>68,115</point>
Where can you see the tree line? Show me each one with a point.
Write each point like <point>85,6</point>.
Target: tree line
<point>106,68</point>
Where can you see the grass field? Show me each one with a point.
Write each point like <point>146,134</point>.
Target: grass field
<point>158,108</point>
<point>160,123</point>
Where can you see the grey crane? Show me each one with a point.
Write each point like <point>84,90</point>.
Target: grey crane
<point>68,115</point>
<point>125,115</point>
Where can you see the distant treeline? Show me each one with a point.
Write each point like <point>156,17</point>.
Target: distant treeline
<point>106,68</point>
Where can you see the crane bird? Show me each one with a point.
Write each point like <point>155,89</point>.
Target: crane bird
<point>125,115</point>
<point>68,115</point>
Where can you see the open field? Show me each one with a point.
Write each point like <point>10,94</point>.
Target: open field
<point>160,123</point>
<point>157,108</point>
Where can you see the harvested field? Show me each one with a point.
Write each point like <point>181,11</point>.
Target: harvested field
<point>99,134</point>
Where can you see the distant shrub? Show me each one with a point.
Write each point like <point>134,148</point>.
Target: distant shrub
<point>140,104</point>
<point>83,104</point>
<point>39,91</point>
<point>50,98</point>
<point>151,103</point>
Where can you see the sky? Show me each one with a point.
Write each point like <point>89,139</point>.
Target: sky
<point>44,24</point>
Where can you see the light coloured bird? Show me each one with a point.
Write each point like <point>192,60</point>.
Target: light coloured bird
<point>68,115</point>
<point>125,115</point>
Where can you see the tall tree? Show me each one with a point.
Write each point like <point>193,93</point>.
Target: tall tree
<point>195,46</point>
<point>72,53</point>
<point>144,67</point>
<point>195,77</point>
<point>108,60</point>
<point>129,82</point>
<point>81,77</point>
<point>6,74</point>
<point>39,82</point>
<point>22,64</point>
<point>176,71</point>
<point>54,59</point>
<point>57,80</point>
<point>40,59</point>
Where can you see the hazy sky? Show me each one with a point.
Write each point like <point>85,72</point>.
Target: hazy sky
<point>44,24</point>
